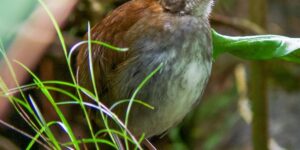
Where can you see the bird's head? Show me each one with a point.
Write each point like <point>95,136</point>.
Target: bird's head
<point>194,7</point>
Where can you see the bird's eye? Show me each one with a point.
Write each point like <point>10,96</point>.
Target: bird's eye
<point>173,5</point>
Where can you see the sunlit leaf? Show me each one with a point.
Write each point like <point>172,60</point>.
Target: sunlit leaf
<point>259,47</point>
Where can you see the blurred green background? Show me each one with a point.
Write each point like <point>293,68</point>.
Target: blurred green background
<point>12,14</point>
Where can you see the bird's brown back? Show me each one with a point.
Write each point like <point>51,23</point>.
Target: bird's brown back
<point>111,30</point>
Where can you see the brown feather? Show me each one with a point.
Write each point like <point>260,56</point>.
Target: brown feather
<point>111,30</point>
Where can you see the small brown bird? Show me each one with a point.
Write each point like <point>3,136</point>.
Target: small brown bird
<point>175,33</point>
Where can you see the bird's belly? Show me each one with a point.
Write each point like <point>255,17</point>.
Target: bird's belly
<point>173,99</point>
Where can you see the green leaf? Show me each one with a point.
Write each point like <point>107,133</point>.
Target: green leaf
<point>259,47</point>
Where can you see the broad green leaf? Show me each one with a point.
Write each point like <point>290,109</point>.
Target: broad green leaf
<point>259,47</point>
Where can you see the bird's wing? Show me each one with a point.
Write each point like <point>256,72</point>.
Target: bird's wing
<point>111,30</point>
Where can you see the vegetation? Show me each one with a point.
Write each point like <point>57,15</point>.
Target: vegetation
<point>262,47</point>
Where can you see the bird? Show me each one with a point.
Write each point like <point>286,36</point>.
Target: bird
<point>175,34</point>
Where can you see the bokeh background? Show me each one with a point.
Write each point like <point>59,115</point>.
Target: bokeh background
<point>220,121</point>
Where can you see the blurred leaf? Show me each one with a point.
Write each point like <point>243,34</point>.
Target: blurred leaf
<point>259,47</point>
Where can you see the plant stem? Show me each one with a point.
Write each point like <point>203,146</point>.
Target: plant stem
<point>258,84</point>
<point>258,96</point>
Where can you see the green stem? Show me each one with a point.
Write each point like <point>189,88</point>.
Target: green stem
<point>258,96</point>
<point>258,84</point>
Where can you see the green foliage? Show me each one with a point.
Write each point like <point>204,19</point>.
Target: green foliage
<point>42,127</point>
<point>259,47</point>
